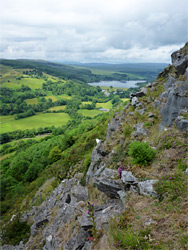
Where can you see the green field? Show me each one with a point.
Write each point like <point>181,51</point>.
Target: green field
<point>54,98</point>
<point>58,108</point>
<point>32,101</point>
<point>91,113</point>
<point>107,105</point>
<point>11,85</point>
<point>36,121</point>
<point>6,118</point>
<point>86,103</point>
<point>125,99</point>
<point>64,96</point>
<point>33,83</point>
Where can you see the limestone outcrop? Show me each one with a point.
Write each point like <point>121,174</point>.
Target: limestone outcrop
<point>180,59</point>
<point>177,93</point>
<point>113,125</point>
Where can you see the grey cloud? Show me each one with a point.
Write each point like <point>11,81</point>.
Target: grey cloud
<point>82,30</point>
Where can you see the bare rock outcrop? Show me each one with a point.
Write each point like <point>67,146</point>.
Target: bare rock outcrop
<point>113,125</point>
<point>108,183</point>
<point>176,93</point>
<point>180,59</point>
<point>177,100</point>
<point>96,160</point>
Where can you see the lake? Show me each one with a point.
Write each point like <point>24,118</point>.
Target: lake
<point>117,84</point>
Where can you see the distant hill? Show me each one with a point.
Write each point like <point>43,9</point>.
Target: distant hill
<point>124,67</point>
<point>90,72</point>
<point>54,69</point>
<point>148,71</point>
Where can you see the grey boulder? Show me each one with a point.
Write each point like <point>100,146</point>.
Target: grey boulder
<point>181,123</point>
<point>139,130</point>
<point>78,241</point>
<point>146,188</point>
<point>108,183</point>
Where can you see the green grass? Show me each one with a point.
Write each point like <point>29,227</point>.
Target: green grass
<point>125,99</point>
<point>54,98</point>
<point>32,101</point>
<point>33,83</point>
<point>36,121</point>
<point>58,108</point>
<point>9,78</point>
<point>86,103</point>
<point>64,96</point>
<point>90,113</point>
<point>6,118</point>
<point>171,187</point>
<point>11,85</point>
<point>107,105</point>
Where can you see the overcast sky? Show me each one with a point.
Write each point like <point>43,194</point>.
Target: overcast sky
<point>113,31</point>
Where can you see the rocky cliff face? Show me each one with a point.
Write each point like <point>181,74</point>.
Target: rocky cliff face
<point>61,221</point>
<point>180,59</point>
<point>176,92</point>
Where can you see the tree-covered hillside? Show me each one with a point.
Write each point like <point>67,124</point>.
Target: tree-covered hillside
<point>147,71</point>
<point>85,72</point>
<point>32,91</point>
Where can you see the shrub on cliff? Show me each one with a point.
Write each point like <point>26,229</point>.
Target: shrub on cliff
<point>141,152</point>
